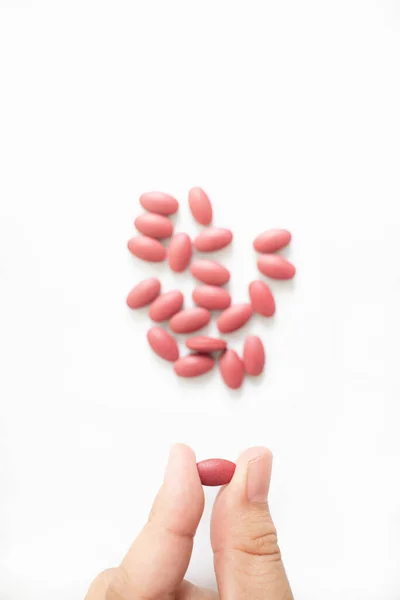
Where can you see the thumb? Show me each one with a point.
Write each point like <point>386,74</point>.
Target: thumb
<point>247,558</point>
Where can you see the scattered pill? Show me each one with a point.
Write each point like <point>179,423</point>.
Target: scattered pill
<point>234,317</point>
<point>200,206</point>
<point>211,297</point>
<point>275,266</point>
<point>216,471</point>
<point>210,272</point>
<point>272,240</point>
<point>179,252</point>
<point>205,344</point>
<point>189,320</point>
<point>212,239</point>
<point>166,306</point>
<point>193,365</point>
<point>147,248</point>
<point>232,369</point>
<point>154,225</point>
<point>144,293</point>
<point>158,202</point>
<point>163,343</point>
<point>253,355</point>
<point>261,298</point>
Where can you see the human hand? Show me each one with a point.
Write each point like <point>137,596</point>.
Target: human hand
<point>247,559</point>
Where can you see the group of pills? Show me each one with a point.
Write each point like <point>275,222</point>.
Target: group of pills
<point>210,295</point>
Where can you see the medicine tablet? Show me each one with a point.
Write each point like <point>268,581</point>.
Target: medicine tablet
<point>253,355</point>
<point>167,305</point>
<point>234,317</point>
<point>163,343</point>
<point>193,365</point>
<point>216,471</point>
<point>210,272</point>
<point>147,248</point>
<point>275,266</point>
<point>211,297</point>
<point>144,293</point>
<point>261,298</point>
<point>179,252</point>
<point>205,344</point>
<point>272,240</point>
<point>232,369</point>
<point>154,225</point>
<point>192,319</point>
<point>212,239</point>
<point>158,202</point>
<point>200,206</point>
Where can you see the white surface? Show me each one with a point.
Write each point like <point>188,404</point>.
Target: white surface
<point>287,113</point>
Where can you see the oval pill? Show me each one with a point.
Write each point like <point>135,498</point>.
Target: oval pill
<point>211,297</point>
<point>163,343</point>
<point>212,239</point>
<point>205,344</point>
<point>253,355</point>
<point>193,365</point>
<point>179,252</point>
<point>261,298</point>
<point>234,317</point>
<point>147,248</point>
<point>272,240</point>
<point>143,293</point>
<point>231,367</point>
<point>275,266</point>
<point>167,305</point>
<point>154,225</point>
<point>190,320</point>
<point>216,471</point>
<point>210,272</point>
<point>200,206</point>
<point>158,202</point>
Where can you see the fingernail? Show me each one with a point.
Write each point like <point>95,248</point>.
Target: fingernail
<point>258,477</point>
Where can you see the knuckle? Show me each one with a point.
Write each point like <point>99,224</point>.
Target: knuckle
<point>260,539</point>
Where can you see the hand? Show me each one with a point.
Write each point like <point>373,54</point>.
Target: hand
<point>247,559</point>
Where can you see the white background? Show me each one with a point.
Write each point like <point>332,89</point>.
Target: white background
<point>287,113</point>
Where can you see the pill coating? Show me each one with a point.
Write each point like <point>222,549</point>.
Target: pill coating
<point>261,298</point>
<point>163,343</point>
<point>234,317</point>
<point>193,365</point>
<point>158,202</point>
<point>216,471</point>
<point>210,272</point>
<point>231,367</point>
<point>205,344</point>
<point>192,319</point>
<point>275,266</point>
<point>200,206</point>
<point>144,293</point>
<point>154,225</point>
<point>212,297</point>
<point>179,252</point>
<point>212,239</point>
<point>167,305</point>
<point>147,248</point>
<point>253,355</point>
<point>272,240</point>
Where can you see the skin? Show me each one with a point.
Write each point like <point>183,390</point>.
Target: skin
<point>247,560</point>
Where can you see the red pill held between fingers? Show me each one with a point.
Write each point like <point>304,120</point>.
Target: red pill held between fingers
<point>179,252</point>
<point>261,298</point>
<point>216,471</point>
<point>163,343</point>
<point>166,306</point>
<point>193,365</point>
<point>200,206</point>
<point>154,225</point>
<point>253,355</point>
<point>144,293</point>
<point>272,240</point>
<point>231,367</point>
<point>234,317</point>
<point>147,248</point>
<point>275,266</point>
<point>204,344</point>
<point>212,239</point>
<point>158,202</point>
<point>210,272</point>
<point>212,297</point>
<point>192,319</point>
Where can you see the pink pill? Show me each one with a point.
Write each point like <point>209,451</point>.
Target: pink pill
<point>154,225</point>
<point>212,239</point>
<point>211,297</point>
<point>166,306</point>
<point>193,365</point>
<point>275,266</point>
<point>216,471</point>
<point>158,202</point>
<point>179,252</point>
<point>189,320</point>
<point>261,298</point>
<point>231,367</point>
<point>200,206</point>
<point>143,293</point>
<point>147,248</point>
<point>234,317</point>
<point>205,344</point>
<point>210,272</point>
<point>272,240</point>
<point>163,344</point>
<point>253,355</point>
